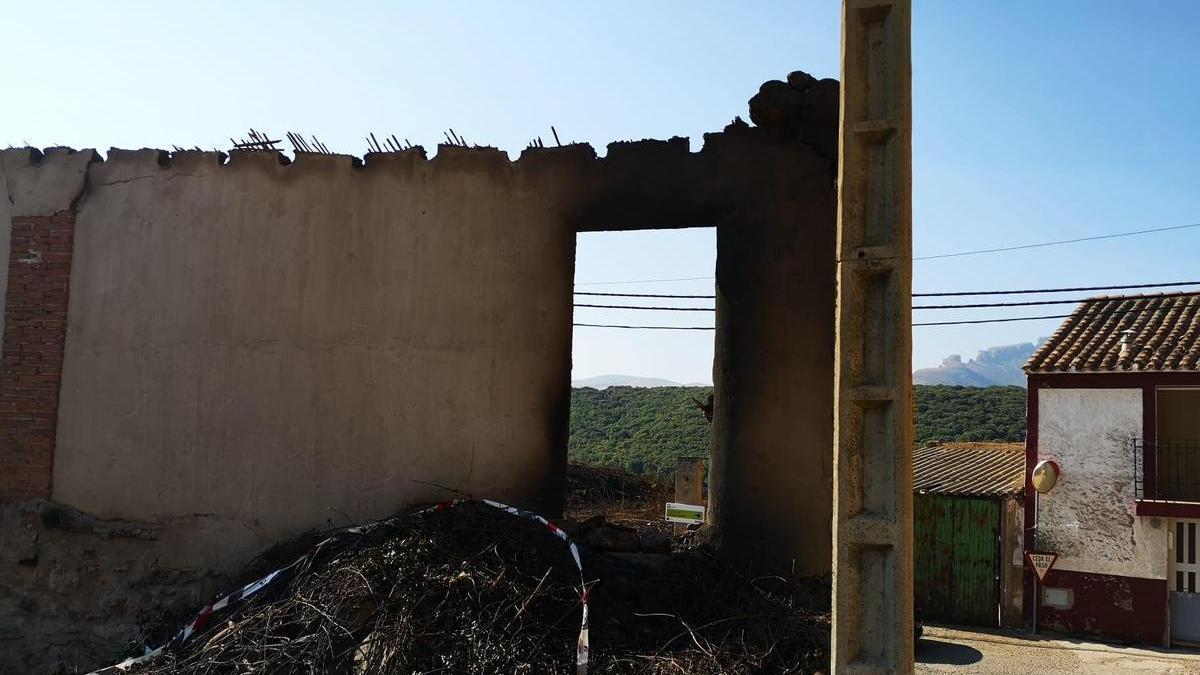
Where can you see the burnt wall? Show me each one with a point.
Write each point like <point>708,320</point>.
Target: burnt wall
<point>772,433</point>
<point>254,347</point>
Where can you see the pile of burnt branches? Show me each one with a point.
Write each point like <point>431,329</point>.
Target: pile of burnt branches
<point>473,589</point>
<point>686,611</point>
<point>690,613</point>
<point>630,499</point>
<point>466,590</point>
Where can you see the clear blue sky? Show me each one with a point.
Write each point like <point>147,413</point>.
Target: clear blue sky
<point>1033,120</point>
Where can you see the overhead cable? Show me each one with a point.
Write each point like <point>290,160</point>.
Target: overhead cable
<point>1030,303</point>
<point>1025,291</point>
<point>1059,242</point>
<point>976,305</point>
<point>611,325</point>
<point>652,295</point>
<point>640,281</point>
<point>657,309</point>
<point>1134,310</point>
<point>945,294</point>
<point>1017,318</point>
<point>981,251</point>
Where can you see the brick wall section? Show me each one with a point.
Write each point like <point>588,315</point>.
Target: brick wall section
<point>35,322</point>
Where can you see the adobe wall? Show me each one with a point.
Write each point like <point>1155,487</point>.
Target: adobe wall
<point>377,336</point>
<point>203,357</point>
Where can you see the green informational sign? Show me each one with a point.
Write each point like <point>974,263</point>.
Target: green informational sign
<point>687,514</point>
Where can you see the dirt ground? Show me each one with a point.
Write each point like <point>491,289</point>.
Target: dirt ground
<point>949,650</point>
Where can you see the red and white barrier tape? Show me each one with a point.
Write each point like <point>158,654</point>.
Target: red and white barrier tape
<point>202,619</point>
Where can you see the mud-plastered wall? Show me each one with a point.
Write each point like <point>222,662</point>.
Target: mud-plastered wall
<point>291,345</point>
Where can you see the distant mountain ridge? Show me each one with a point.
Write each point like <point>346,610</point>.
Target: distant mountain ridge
<point>992,367</point>
<point>999,366</point>
<point>606,381</point>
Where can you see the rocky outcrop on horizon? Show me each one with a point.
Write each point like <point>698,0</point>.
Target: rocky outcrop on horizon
<point>995,366</point>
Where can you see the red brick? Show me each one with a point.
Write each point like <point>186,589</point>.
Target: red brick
<point>35,322</point>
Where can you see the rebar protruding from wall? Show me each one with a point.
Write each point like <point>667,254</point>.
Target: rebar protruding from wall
<point>257,142</point>
<point>299,144</point>
<point>390,144</point>
<point>455,139</point>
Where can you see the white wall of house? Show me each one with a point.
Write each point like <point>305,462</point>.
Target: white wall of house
<point>1089,516</point>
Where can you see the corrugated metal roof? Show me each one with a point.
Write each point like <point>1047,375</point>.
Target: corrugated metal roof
<point>1163,335</point>
<point>970,469</point>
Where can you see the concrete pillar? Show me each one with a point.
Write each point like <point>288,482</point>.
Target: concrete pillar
<point>771,480</point>
<point>872,565</point>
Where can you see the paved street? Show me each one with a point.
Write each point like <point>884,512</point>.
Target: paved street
<point>946,650</point>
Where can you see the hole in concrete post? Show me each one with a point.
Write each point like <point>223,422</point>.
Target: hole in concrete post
<point>879,497</point>
<point>880,197</point>
<point>877,637</point>
<point>879,102</point>
<point>877,342</point>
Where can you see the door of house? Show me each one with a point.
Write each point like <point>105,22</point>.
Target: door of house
<point>956,559</point>
<point>1185,583</point>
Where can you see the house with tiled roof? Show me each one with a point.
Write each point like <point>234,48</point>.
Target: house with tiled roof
<point>1114,399</point>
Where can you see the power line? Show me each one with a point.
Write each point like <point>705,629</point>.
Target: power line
<point>1031,303</point>
<point>1021,291</point>
<point>1057,243</point>
<point>610,325</point>
<point>1018,318</point>
<point>1024,291</point>
<point>653,295</point>
<point>975,305</point>
<point>1135,310</point>
<point>981,251</point>
<point>657,309</point>
<point>640,281</point>
<point>928,323</point>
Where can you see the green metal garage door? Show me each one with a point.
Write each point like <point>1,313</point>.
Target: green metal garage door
<point>957,559</point>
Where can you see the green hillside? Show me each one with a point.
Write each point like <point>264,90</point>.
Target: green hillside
<point>645,430</point>
<point>952,413</point>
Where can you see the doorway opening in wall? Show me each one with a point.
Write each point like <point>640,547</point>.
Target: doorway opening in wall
<point>642,372</point>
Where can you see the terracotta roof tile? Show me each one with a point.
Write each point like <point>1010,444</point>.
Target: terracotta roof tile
<point>1163,334</point>
<point>970,469</point>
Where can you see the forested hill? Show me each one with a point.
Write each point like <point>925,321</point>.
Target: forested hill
<point>646,429</point>
<point>952,413</point>
<point>643,430</point>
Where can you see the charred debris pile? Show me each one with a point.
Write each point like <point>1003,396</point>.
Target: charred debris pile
<point>475,589</point>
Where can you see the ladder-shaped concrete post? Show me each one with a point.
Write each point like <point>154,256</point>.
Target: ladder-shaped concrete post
<point>872,566</point>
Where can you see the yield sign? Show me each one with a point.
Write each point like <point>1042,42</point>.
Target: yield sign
<point>1041,562</point>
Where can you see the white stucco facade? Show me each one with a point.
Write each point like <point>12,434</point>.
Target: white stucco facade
<point>1089,517</point>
